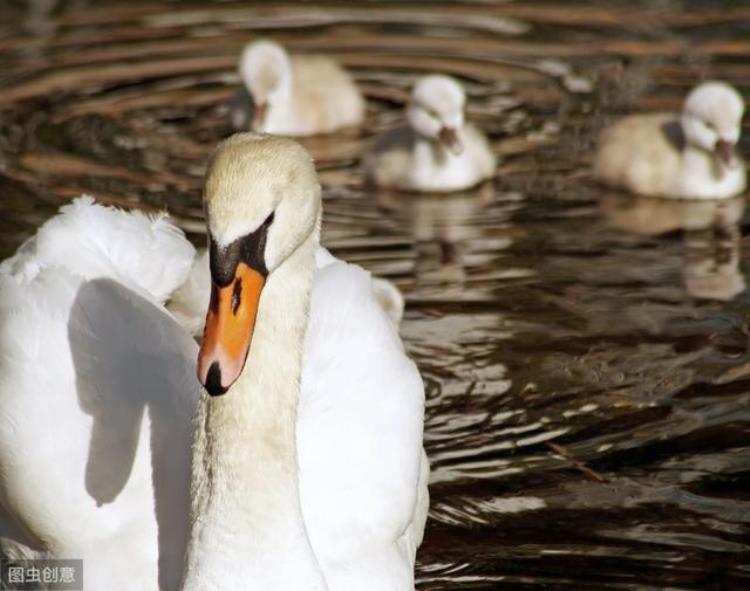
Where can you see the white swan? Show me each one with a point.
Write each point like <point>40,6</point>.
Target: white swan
<point>690,155</point>
<point>330,497</point>
<point>297,95</point>
<point>437,151</point>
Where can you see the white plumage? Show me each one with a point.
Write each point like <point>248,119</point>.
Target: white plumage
<point>437,151</point>
<point>98,389</point>
<point>296,95</point>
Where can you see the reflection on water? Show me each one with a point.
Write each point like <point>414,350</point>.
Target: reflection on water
<point>453,256</point>
<point>711,236</point>
<point>585,354</point>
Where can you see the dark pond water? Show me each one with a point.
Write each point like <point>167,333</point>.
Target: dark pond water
<point>585,355</point>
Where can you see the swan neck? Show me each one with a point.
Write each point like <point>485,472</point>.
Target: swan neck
<point>281,103</point>
<point>246,514</point>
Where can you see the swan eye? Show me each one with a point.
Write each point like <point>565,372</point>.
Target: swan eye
<point>249,249</point>
<point>269,220</point>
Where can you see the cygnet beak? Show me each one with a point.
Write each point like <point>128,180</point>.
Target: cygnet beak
<point>725,152</point>
<point>449,138</point>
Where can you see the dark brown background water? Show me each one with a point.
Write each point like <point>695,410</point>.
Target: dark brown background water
<point>585,355</point>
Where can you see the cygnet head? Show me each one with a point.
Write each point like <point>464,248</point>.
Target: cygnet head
<point>265,71</point>
<point>711,120</point>
<point>262,201</point>
<point>436,110</point>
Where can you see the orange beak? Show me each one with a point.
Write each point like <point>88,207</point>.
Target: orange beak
<point>229,329</point>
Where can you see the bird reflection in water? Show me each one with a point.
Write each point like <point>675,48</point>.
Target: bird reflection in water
<point>710,231</point>
<point>444,229</point>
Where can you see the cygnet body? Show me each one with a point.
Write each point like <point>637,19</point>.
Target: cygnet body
<point>688,155</point>
<point>437,151</point>
<point>293,95</point>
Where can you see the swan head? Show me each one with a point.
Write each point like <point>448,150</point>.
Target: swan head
<point>265,70</point>
<point>436,110</point>
<point>262,201</point>
<point>711,120</point>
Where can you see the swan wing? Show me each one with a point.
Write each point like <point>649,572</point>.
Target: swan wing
<point>147,253</point>
<point>362,476</point>
<point>97,389</point>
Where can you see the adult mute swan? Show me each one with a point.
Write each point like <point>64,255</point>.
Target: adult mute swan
<point>307,473</point>
<point>437,151</point>
<point>296,95</point>
<point>688,155</point>
<point>353,514</point>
